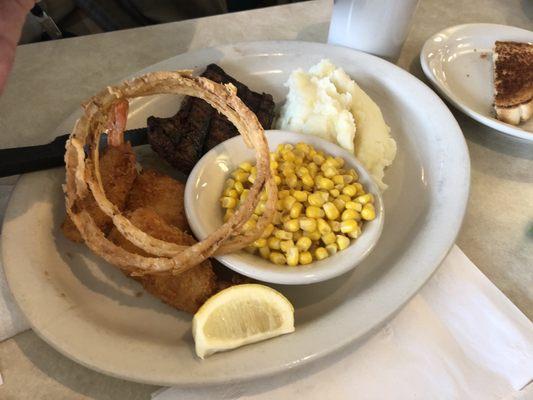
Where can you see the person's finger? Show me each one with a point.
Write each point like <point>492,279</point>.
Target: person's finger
<point>12,16</point>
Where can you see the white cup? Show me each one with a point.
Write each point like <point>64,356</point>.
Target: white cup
<point>374,26</point>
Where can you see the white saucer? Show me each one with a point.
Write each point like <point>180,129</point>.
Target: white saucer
<point>458,62</point>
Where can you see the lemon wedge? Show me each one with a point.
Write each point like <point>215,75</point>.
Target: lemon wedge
<point>241,315</point>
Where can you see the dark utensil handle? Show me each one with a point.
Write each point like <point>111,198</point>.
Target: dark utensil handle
<point>20,160</point>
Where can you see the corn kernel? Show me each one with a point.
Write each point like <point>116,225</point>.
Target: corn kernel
<point>331,211</point>
<point>240,175</point>
<point>301,171</point>
<point>249,225</point>
<point>315,199</point>
<point>303,243</point>
<point>239,187</point>
<point>274,243</point>
<point>283,193</point>
<point>321,253</point>
<point>349,190</point>
<point>318,159</point>
<point>328,238</point>
<point>282,235</point>
<point>277,258</point>
<point>355,233</point>
<point>296,210</point>
<point>335,226</point>
<point>274,165</point>
<point>303,147</point>
<point>314,212</point>
<point>338,180</point>
<point>288,155</point>
<point>332,249</point>
<point>263,196</point>
<point>314,235</point>
<point>340,204</point>
<point>366,198</point>
<point>288,202</point>
<point>251,178</point>
<point>246,166</point>
<point>264,252</point>
<point>293,256</point>
<point>285,245</point>
<point>344,197</point>
<point>260,208</point>
<point>300,195</point>
<point>334,192</point>
<point>229,183</point>
<point>277,180</point>
<point>352,205</point>
<point>230,193</point>
<point>308,224</point>
<point>292,225</point>
<point>260,243</point>
<point>329,172</point>
<point>342,242</point>
<point>268,231</point>
<point>292,180</point>
<point>360,188</point>
<point>368,213</point>
<point>313,168</point>
<point>228,202</point>
<point>348,225</point>
<point>323,227</point>
<point>308,180</point>
<point>350,214</point>
<point>325,183</point>
<point>285,217</point>
<point>305,258</point>
<point>244,195</point>
<point>347,179</point>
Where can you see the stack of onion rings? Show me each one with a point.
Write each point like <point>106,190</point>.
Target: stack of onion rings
<point>83,177</point>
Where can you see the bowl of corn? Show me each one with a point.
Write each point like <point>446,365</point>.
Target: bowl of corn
<point>329,212</point>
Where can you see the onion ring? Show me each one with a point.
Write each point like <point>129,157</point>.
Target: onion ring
<point>83,176</point>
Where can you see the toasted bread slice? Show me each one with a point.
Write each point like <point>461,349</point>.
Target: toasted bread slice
<point>513,81</point>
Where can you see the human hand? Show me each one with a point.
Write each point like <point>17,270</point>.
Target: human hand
<point>12,16</point>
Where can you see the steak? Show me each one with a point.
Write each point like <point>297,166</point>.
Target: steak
<point>197,127</point>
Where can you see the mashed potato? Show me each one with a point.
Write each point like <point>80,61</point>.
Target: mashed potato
<point>326,102</point>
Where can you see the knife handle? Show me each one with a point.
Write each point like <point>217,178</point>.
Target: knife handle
<point>20,160</point>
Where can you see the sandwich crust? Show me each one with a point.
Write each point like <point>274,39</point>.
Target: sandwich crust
<point>513,81</point>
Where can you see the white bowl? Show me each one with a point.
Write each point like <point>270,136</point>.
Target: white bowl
<point>202,206</point>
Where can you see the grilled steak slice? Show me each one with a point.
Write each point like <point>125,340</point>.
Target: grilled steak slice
<point>197,127</point>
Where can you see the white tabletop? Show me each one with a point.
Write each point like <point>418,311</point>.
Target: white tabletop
<point>51,79</point>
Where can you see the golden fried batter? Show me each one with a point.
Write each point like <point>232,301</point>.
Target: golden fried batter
<point>117,167</point>
<point>161,194</point>
<point>187,291</point>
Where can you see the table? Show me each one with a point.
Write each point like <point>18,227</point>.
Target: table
<point>497,234</point>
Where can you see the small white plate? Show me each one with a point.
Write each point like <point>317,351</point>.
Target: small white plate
<point>458,62</point>
<point>205,184</point>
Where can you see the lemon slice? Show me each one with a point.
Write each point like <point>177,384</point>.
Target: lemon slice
<point>241,315</point>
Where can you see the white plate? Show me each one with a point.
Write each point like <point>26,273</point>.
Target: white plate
<point>458,62</point>
<point>92,313</point>
<point>206,182</point>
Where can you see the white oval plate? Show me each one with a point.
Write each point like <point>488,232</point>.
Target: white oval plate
<point>206,182</point>
<point>458,62</point>
<point>89,311</point>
